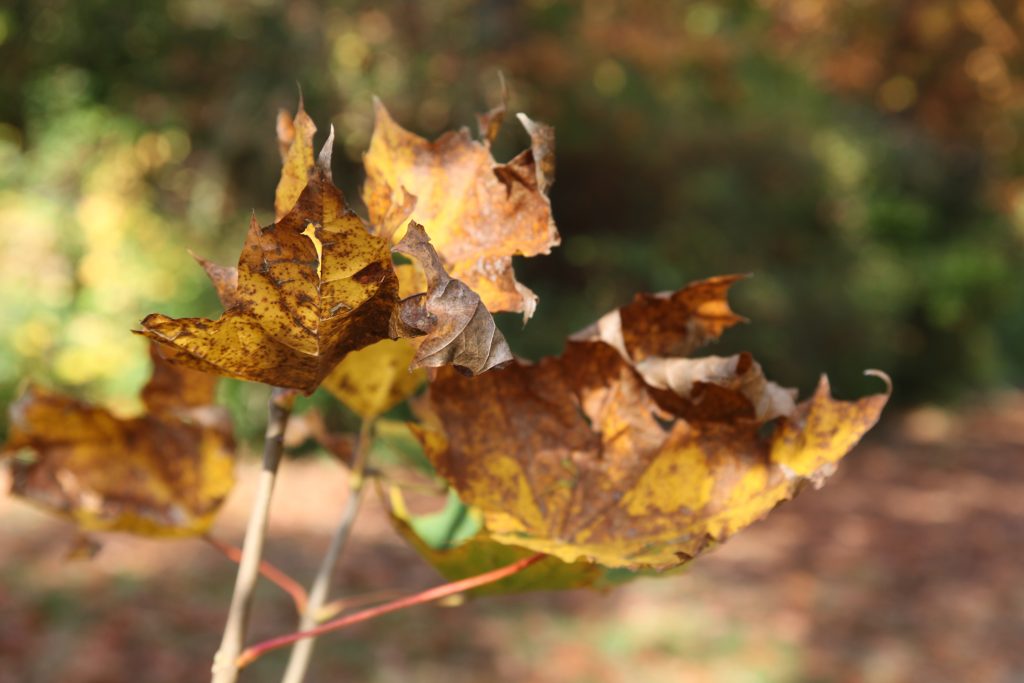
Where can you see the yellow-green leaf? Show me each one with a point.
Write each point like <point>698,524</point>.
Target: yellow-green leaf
<point>479,554</point>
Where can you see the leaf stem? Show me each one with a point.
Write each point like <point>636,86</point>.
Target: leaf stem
<point>298,662</point>
<point>224,669</point>
<point>436,593</point>
<point>271,573</point>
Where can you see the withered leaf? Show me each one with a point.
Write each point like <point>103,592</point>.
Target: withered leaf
<point>670,323</point>
<point>479,213</point>
<point>715,387</point>
<point>457,329</point>
<point>582,456</point>
<point>311,287</point>
<point>164,473</point>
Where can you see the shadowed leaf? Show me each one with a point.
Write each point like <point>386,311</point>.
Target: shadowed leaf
<point>164,473</point>
<point>479,213</point>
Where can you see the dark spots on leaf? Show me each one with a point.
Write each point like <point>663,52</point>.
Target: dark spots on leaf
<point>370,274</point>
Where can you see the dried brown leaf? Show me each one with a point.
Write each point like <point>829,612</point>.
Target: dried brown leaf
<point>457,329</point>
<point>670,323</point>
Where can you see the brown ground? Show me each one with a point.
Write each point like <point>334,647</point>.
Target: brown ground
<point>907,567</point>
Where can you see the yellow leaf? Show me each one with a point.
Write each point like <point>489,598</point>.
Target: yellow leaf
<point>310,288</point>
<point>376,378</point>
<point>295,140</point>
<point>164,473</point>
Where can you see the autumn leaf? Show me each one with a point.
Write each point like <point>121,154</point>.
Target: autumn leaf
<point>669,324</point>
<point>295,142</point>
<point>376,378</point>
<point>164,473</point>
<point>457,556</point>
<point>457,328</point>
<point>584,457</point>
<point>479,213</point>
<point>311,287</point>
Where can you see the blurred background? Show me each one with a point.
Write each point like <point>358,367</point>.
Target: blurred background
<point>864,160</point>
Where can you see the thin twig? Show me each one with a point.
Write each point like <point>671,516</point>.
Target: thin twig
<point>271,573</point>
<point>298,662</point>
<point>258,650</point>
<point>224,669</point>
<point>336,607</point>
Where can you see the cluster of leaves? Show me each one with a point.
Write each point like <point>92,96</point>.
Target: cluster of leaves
<point>625,452</point>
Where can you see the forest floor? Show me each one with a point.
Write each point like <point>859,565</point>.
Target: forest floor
<point>907,567</point>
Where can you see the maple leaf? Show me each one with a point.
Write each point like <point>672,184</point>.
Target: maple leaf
<point>164,473</point>
<point>590,455</point>
<point>310,288</point>
<point>456,326</point>
<point>479,213</point>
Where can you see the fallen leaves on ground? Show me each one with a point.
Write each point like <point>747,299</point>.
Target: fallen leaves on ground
<point>164,473</point>
<point>479,213</point>
<point>591,456</point>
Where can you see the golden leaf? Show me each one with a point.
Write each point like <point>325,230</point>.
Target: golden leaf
<point>164,473</point>
<point>311,287</point>
<point>376,378</point>
<point>479,213</point>
<point>295,140</point>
